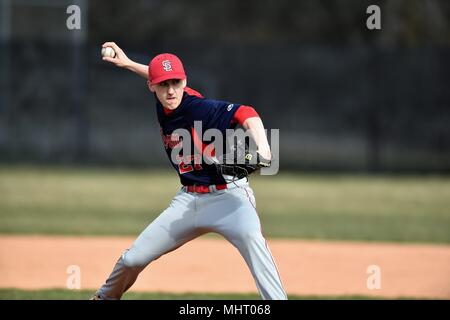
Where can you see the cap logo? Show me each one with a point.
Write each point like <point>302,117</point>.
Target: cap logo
<point>167,66</point>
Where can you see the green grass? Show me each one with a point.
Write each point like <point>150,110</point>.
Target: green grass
<point>123,202</point>
<point>62,294</point>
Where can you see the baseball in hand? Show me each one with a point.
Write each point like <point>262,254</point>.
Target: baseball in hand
<point>108,52</point>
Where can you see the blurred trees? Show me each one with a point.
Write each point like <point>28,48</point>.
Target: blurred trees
<point>342,96</point>
<point>331,22</point>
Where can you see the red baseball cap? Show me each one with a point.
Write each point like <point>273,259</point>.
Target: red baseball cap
<point>165,66</point>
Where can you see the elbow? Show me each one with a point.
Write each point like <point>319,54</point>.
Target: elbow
<point>243,114</point>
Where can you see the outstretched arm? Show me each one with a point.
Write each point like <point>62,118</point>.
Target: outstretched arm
<point>122,61</point>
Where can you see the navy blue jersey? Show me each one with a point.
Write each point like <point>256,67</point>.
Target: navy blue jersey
<point>213,114</point>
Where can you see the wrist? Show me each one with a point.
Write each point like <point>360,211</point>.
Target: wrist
<point>265,153</point>
<point>130,65</point>
<point>264,161</point>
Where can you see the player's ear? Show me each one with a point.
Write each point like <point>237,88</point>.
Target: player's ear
<point>151,87</point>
<point>184,83</point>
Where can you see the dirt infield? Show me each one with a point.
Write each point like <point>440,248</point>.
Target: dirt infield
<point>213,265</point>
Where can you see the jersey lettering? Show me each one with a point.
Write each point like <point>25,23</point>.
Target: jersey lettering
<point>185,164</point>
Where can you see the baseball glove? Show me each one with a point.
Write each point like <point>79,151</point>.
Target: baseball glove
<point>241,161</point>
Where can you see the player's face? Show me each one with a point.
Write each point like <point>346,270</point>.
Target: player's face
<point>169,92</point>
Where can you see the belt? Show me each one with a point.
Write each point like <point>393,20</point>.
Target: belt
<point>205,189</point>
<point>215,187</point>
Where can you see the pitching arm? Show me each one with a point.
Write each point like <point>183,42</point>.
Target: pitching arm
<point>122,61</point>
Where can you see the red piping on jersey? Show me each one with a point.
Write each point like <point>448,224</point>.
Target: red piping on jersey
<point>192,92</point>
<point>200,145</point>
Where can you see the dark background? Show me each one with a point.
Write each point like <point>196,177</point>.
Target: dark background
<point>344,97</point>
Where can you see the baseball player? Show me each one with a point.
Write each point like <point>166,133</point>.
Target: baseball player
<point>208,200</point>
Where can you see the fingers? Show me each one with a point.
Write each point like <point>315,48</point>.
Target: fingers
<point>120,59</point>
<point>108,44</point>
<point>112,45</point>
<point>109,59</point>
<point>116,49</point>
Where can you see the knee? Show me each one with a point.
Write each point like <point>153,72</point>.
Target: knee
<point>134,258</point>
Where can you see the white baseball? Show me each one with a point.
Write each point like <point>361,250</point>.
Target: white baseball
<point>108,52</point>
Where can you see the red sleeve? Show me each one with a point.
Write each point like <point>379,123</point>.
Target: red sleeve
<point>243,113</point>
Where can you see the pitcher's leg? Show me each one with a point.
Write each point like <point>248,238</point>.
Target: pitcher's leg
<point>121,279</point>
<point>233,215</point>
<point>254,250</point>
<point>173,228</point>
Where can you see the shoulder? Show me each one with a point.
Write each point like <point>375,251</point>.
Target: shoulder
<point>194,99</point>
<point>192,92</point>
<point>196,104</point>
